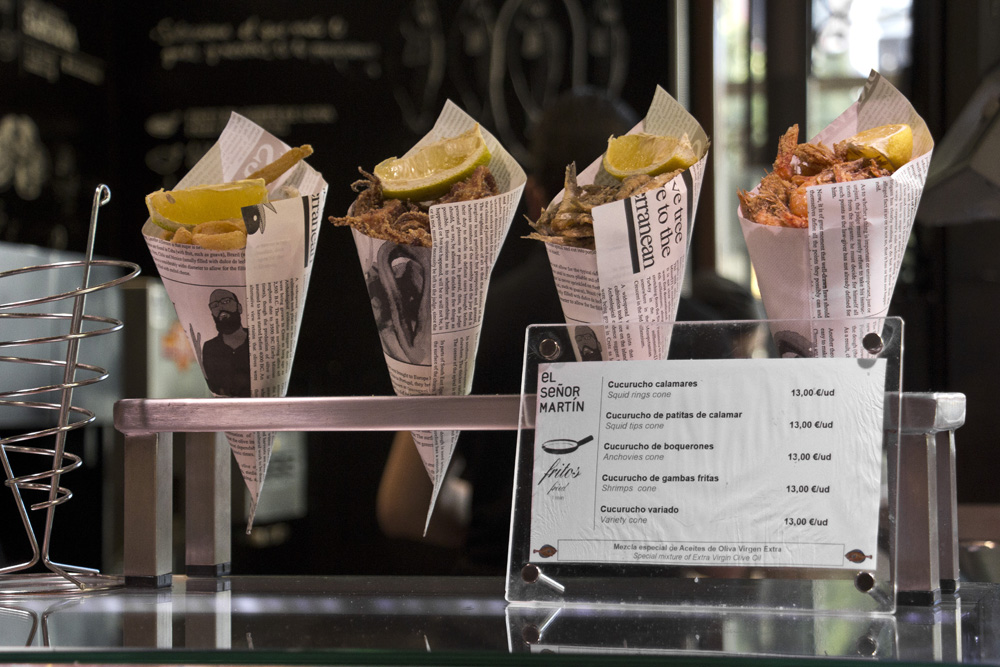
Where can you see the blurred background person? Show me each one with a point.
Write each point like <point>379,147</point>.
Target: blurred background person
<point>473,509</point>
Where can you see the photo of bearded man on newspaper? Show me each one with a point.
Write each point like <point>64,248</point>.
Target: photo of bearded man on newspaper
<point>225,358</point>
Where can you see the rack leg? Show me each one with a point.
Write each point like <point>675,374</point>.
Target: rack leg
<point>918,574</point>
<point>207,494</point>
<point>947,489</point>
<point>149,510</point>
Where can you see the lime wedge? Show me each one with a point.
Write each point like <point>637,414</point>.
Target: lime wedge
<point>886,144</point>
<point>650,154</point>
<point>431,171</point>
<point>171,209</point>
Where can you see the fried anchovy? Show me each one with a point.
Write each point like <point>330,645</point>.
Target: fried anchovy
<point>569,221</point>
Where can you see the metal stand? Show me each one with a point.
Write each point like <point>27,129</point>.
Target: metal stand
<point>928,507</point>
<point>148,424</point>
<point>64,577</point>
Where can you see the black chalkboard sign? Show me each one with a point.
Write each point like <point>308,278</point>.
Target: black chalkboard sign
<point>360,82</point>
<point>56,143</point>
<point>132,94</point>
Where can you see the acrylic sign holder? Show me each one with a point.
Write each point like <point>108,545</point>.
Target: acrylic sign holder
<point>541,574</point>
<point>53,396</point>
<point>669,632</point>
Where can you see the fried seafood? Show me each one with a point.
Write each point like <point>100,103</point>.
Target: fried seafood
<point>781,198</point>
<point>271,172</point>
<point>569,221</point>
<point>209,215</point>
<point>478,185</point>
<point>403,221</point>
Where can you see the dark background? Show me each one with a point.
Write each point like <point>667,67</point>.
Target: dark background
<point>131,95</point>
<point>359,82</point>
<point>377,78</point>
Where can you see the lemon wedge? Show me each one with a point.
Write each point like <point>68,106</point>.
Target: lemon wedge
<point>432,170</point>
<point>171,209</point>
<point>886,144</point>
<point>651,154</point>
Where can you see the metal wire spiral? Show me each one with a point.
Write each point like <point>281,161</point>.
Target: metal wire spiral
<point>47,481</point>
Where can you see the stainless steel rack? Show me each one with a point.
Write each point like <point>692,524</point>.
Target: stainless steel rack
<point>926,469</point>
<point>149,424</point>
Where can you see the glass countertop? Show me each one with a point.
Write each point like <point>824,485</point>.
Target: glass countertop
<point>462,620</point>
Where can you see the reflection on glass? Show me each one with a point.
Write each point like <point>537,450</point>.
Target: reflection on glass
<point>850,38</point>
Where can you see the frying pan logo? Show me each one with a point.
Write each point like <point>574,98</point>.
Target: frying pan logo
<point>564,445</point>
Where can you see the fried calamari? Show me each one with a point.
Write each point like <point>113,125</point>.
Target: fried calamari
<point>781,198</point>
<point>569,221</point>
<point>402,221</point>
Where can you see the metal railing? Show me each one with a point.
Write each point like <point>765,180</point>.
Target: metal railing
<point>927,522</point>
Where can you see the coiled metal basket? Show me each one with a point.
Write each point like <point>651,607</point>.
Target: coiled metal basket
<point>52,401</point>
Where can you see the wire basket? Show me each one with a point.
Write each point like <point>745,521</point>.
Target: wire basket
<point>53,398</point>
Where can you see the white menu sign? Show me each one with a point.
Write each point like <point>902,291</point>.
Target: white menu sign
<point>757,462</point>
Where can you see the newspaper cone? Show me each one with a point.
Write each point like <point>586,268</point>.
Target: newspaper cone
<point>837,276</point>
<point>256,295</point>
<point>428,302</point>
<point>636,271</point>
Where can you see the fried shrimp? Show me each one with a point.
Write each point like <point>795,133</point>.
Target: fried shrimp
<point>781,199</point>
<point>402,221</point>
